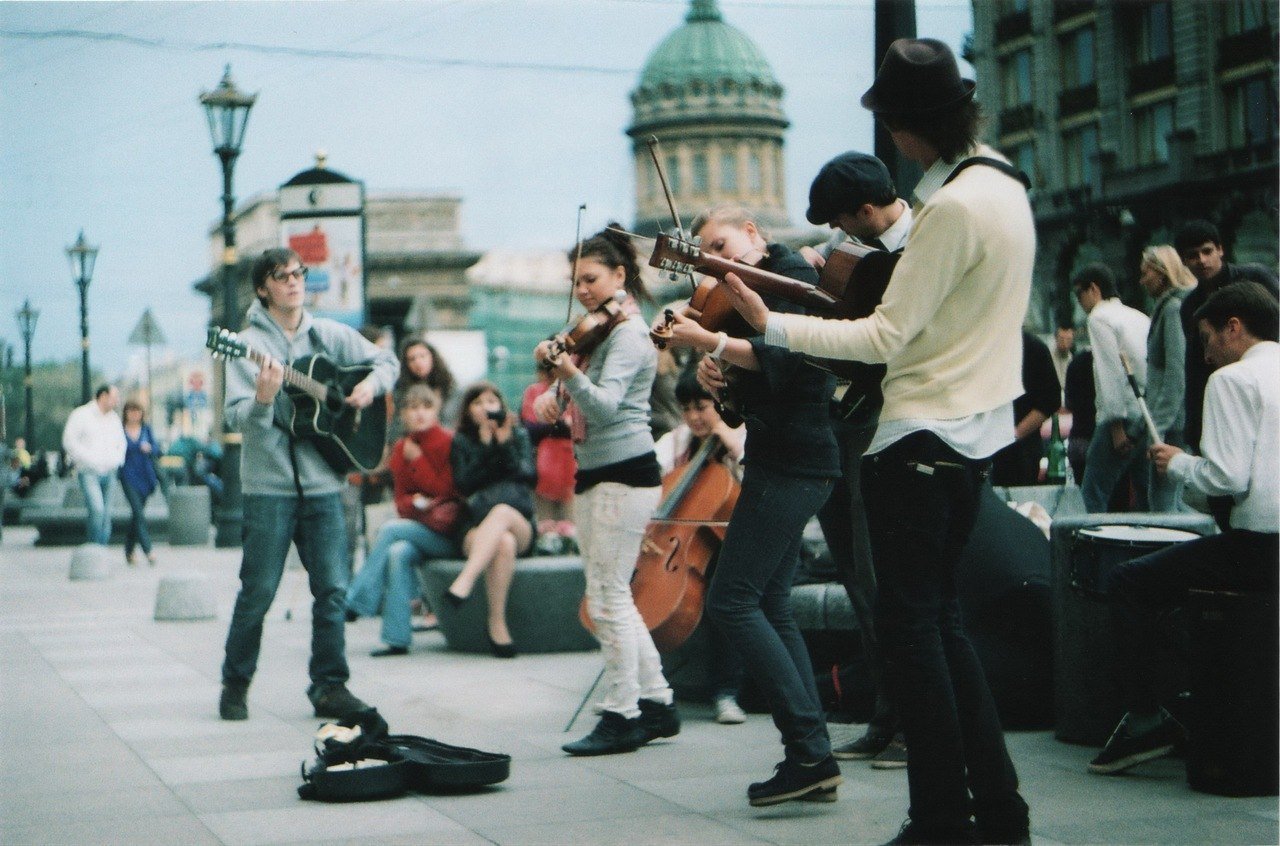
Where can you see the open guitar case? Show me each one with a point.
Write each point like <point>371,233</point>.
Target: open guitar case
<point>358,761</point>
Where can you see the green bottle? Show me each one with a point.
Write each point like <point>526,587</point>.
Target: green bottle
<point>1056,473</point>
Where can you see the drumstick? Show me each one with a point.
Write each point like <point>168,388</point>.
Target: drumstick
<point>1142,403</point>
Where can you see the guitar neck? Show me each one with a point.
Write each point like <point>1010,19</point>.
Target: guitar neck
<point>292,376</point>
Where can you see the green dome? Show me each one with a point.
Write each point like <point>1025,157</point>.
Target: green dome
<point>708,50</point>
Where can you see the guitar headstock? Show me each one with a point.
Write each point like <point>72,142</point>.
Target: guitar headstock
<point>674,255</point>
<point>224,342</point>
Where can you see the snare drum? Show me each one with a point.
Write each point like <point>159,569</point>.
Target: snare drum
<point>1099,549</point>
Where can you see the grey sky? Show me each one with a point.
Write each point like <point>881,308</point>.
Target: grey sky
<point>528,123</point>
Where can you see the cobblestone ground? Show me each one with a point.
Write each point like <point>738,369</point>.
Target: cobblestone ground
<point>110,732</point>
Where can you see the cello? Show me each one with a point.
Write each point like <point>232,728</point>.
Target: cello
<point>670,580</point>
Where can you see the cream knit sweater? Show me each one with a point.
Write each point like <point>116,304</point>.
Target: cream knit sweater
<point>949,326</point>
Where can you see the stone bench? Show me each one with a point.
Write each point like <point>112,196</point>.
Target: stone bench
<point>56,510</point>
<point>542,608</point>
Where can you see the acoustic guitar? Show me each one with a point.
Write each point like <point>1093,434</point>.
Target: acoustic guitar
<point>347,438</point>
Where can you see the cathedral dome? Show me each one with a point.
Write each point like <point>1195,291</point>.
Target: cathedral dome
<point>706,50</point>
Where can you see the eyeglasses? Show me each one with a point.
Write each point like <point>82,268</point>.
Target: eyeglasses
<point>283,275</point>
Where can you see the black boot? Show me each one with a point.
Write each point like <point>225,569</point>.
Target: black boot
<point>658,720</point>
<point>232,705</point>
<point>613,734</point>
<point>793,780</point>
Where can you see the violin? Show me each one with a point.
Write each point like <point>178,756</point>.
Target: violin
<point>850,286</point>
<point>670,581</point>
<point>582,336</point>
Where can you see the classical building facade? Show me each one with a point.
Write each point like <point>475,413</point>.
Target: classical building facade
<point>1131,117</point>
<point>710,98</point>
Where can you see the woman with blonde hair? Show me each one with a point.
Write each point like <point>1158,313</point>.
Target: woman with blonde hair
<point>1167,280</point>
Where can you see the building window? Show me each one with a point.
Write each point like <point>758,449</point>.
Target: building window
<point>1245,15</point>
<point>1080,156</point>
<point>699,176</point>
<point>673,174</point>
<point>1015,72</point>
<point>1151,128</point>
<point>1078,58</point>
<point>728,172</point>
<point>1250,113</point>
<point>1023,157</point>
<point>755,179</point>
<point>1153,35</point>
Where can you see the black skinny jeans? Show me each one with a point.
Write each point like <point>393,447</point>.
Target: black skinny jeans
<point>922,499</point>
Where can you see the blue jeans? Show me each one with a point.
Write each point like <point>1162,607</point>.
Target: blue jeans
<point>922,500</point>
<point>316,525</point>
<point>750,601</point>
<point>96,488</point>
<point>137,534</point>
<point>1104,467</point>
<point>388,579</point>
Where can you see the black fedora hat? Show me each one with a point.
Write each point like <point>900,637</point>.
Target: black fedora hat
<point>917,75</point>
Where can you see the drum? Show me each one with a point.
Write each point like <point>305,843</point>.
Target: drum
<point>1088,701</point>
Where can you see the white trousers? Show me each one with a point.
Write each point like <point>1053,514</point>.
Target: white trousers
<point>611,520</point>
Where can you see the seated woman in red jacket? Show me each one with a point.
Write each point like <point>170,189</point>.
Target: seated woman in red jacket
<point>428,506</point>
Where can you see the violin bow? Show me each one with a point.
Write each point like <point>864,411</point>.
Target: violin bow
<point>573,271</point>
<point>671,202</point>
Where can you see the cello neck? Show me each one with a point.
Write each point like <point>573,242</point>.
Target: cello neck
<point>690,472</point>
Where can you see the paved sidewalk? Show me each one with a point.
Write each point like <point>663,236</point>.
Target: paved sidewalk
<point>110,732</point>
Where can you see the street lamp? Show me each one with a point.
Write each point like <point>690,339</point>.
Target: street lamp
<point>227,109</point>
<point>27,317</point>
<point>81,256</point>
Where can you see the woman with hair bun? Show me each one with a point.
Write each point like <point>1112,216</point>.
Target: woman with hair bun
<point>618,486</point>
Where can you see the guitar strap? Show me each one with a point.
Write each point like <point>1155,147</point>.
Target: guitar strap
<point>1004,167</point>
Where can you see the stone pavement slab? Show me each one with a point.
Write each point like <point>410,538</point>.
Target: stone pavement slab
<point>110,732</point>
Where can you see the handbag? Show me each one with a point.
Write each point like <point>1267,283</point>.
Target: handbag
<point>442,514</point>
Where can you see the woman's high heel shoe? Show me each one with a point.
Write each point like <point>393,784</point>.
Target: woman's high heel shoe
<point>453,599</point>
<point>502,650</point>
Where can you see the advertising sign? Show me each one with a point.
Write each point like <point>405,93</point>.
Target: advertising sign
<point>330,247</point>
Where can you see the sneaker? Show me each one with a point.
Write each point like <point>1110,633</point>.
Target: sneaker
<point>868,746</point>
<point>658,720</point>
<point>914,833</point>
<point>334,701</point>
<point>231,705</point>
<point>892,757</point>
<point>613,734</point>
<point>792,780</point>
<point>1127,749</point>
<point>728,712</point>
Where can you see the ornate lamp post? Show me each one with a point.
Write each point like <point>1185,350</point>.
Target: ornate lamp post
<point>227,109</point>
<point>81,256</point>
<point>27,317</point>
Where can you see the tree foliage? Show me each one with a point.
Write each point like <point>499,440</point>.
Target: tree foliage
<point>55,392</point>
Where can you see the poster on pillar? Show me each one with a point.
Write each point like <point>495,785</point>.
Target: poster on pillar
<point>331,249</point>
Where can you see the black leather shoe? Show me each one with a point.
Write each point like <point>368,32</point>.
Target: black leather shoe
<point>334,701</point>
<point>613,734</point>
<point>871,744</point>
<point>232,705</point>
<point>658,720</point>
<point>389,651</point>
<point>453,599</point>
<point>793,780</point>
<point>913,833</point>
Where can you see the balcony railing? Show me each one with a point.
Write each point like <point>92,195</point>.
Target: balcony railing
<point>1244,48</point>
<point>1013,25</point>
<point>1064,9</point>
<point>1150,76</point>
<point>1017,119</point>
<point>1076,100</point>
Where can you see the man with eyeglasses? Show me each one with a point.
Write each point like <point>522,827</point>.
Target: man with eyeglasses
<point>290,493</point>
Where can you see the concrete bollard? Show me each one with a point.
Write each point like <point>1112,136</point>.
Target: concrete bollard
<point>189,516</point>
<point>91,562</point>
<point>184,596</point>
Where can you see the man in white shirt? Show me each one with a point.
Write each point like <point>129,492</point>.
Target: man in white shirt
<point>949,330</point>
<point>1120,439</point>
<point>93,440</point>
<point>1240,458</point>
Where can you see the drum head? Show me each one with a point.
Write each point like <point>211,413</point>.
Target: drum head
<point>1122,534</point>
